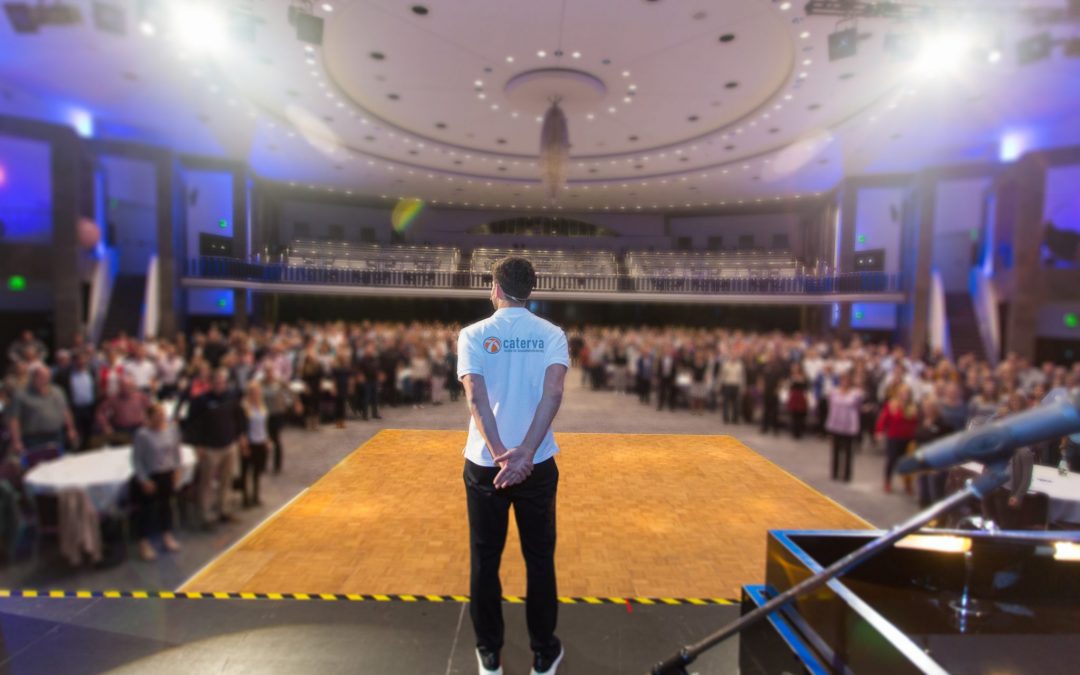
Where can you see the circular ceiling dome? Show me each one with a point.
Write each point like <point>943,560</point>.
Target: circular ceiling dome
<point>633,77</point>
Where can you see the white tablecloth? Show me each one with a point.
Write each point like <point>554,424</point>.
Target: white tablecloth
<point>104,474</point>
<point>1063,491</point>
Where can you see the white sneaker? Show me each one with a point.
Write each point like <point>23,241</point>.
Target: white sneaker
<point>489,664</point>
<point>549,668</point>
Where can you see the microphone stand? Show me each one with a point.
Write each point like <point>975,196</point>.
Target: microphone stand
<point>994,477</point>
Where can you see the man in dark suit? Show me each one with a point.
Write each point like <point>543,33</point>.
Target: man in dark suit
<point>76,379</point>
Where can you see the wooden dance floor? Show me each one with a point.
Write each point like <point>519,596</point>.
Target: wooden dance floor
<point>638,515</point>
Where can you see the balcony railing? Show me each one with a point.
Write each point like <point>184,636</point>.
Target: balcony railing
<point>283,273</point>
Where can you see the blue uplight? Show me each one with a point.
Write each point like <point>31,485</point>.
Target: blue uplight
<point>1014,143</point>
<point>82,121</point>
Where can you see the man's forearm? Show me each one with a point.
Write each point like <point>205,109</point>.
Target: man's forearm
<point>542,419</point>
<point>481,412</point>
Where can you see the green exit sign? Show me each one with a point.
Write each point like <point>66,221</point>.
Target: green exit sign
<point>861,238</point>
<point>16,283</point>
<point>1071,320</point>
<point>858,315</point>
<point>223,302</point>
<point>223,224</point>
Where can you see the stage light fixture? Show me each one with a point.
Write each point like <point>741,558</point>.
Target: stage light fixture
<point>942,53</point>
<point>197,26</point>
<point>843,43</point>
<point>1034,48</point>
<point>309,28</point>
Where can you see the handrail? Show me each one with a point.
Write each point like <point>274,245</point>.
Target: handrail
<point>265,272</point>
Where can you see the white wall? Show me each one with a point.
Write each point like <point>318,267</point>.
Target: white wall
<point>1061,204</point>
<point>131,209</point>
<point>875,224</point>
<point>958,211</point>
<point>214,204</point>
<point>25,190</point>
<point>1051,321</point>
<point>873,316</point>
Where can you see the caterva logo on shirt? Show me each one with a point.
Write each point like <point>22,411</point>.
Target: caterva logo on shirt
<point>493,345</point>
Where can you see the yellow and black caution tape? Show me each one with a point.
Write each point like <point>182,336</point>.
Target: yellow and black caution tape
<point>347,597</point>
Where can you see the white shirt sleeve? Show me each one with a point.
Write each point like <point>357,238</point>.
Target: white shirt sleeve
<point>469,355</point>
<point>556,351</point>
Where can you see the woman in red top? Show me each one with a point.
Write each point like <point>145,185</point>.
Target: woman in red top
<point>897,422</point>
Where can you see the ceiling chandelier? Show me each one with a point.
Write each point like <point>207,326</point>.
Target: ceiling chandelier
<point>554,150</point>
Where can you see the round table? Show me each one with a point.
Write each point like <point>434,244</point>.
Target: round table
<point>104,474</point>
<point>1063,491</point>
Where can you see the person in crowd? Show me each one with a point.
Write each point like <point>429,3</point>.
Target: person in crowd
<point>985,404</point>
<point>254,442</point>
<point>342,376</point>
<point>170,368</point>
<point>771,375</point>
<point>666,372</point>
<point>698,384</point>
<point>437,356</point>
<point>420,376</point>
<point>845,402</point>
<point>40,415</point>
<point>27,348</point>
<point>798,406</point>
<point>896,423</point>
<point>121,414</point>
<point>141,370</point>
<point>111,373</point>
<point>217,423</point>
<point>155,458</point>
<point>311,374</point>
<point>279,402</point>
<point>213,348</point>
<point>80,387</point>
<point>932,426</point>
<point>732,383</point>
<point>824,382</point>
<point>367,389</point>
<point>645,367</point>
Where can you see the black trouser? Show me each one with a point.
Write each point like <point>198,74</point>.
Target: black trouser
<point>84,423</point>
<point>644,389</point>
<point>251,467</point>
<point>729,403</point>
<point>770,413</point>
<point>822,413</point>
<point>274,424</point>
<point>798,424</point>
<point>894,450</point>
<point>841,457</point>
<point>155,511</point>
<point>666,393</point>
<point>534,512</point>
<point>341,400</point>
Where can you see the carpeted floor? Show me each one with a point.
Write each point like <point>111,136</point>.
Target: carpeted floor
<point>638,515</point>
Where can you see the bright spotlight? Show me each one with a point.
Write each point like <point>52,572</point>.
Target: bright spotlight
<point>147,28</point>
<point>942,53</point>
<point>197,26</point>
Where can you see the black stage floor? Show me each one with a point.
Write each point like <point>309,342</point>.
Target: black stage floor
<point>73,636</point>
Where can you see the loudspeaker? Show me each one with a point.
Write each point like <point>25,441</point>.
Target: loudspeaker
<point>842,44</point>
<point>309,28</point>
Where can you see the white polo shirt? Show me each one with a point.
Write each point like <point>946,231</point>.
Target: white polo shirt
<point>512,349</point>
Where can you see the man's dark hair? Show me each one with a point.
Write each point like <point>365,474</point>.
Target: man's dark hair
<point>515,276</point>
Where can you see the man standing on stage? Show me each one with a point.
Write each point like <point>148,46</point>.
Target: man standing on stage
<point>513,365</point>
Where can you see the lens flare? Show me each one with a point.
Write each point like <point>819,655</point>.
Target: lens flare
<point>405,212</point>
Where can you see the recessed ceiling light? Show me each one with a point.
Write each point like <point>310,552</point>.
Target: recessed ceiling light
<point>611,110</point>
<point>805,34</point>
<point>539,118</point>
<point>590,116</point>
<point>494,106</point>
<point>481,96</point>
<point>541,53</point>
<point>626,73</point>
<point>514,114</point>
<point>576,55</point>
<point>479,83</point>
<point>509,59</point>
<point>785,6</point>
<point>327,7</point>
<point>147,28</point>
<point>627,99</point>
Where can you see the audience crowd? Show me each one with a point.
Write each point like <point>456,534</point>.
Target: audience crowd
<point>230,394</point>
<point>857,394</point>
